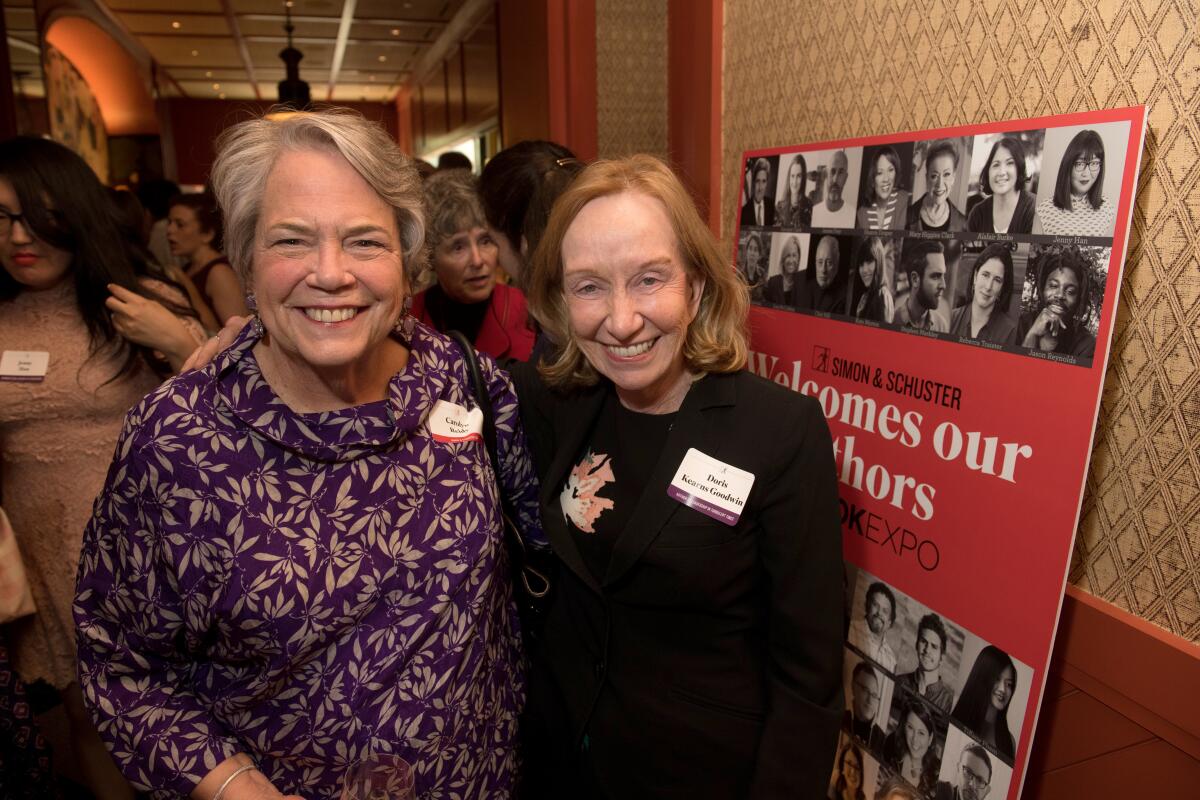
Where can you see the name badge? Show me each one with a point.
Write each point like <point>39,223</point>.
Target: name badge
<point>23,365</point>
<point>449,422</point>
<point>712,487</point>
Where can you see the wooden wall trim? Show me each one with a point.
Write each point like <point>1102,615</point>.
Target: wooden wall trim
<point>694,63</point>
<point>1138,669</point>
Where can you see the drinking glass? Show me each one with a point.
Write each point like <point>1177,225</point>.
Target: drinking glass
<point>379,776</point>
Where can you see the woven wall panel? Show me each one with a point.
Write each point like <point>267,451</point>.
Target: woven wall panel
<point>827,69</point>
<point>631,77</point>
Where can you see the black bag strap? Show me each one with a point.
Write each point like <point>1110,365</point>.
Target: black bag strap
<point>533,581</point>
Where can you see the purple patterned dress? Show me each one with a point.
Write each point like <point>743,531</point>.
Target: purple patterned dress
<point>306,588</point>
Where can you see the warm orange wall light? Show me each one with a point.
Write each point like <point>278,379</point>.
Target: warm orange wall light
<point>110,72</point>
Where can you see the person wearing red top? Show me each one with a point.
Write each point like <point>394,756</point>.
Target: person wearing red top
<point>466,296</point>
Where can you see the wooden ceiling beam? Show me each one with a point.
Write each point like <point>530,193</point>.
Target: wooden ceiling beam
<point>243,50</point>
<point>383,23</point>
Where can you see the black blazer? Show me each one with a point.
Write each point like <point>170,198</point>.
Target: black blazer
<point>768,214</point>
<point>707,661</point>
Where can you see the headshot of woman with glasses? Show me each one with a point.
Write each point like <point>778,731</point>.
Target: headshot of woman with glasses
<point>1078,206</point>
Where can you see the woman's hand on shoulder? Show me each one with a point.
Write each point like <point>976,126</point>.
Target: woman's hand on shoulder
<point>208,351</point>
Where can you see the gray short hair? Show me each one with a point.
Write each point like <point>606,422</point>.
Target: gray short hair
<point>247,152</point>
<point>454,204</point>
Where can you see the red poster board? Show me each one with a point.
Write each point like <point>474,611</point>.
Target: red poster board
<point>949,297</point>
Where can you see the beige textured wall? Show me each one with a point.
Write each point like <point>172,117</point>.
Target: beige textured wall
<point>631,77</point>
<point>821,69</point>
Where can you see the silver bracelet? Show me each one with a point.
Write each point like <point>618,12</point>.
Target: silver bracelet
<point>229,780</point>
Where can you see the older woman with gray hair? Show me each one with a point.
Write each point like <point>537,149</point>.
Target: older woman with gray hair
<point>463,254</point>
<point>297,558</point>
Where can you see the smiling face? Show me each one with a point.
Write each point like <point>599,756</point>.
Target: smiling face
<point>1002,171</point>
<point>465,264</point>
<point>879,612</point>
<point>929,650</point>
<point>327,271</point>
<point>989,281</point>
<point>852,770</point>
<point>795,180</point>
<point>184,233</point>
<point>630,298</point>
<point>885,177</point>
<point>1002,690</point>
<point>866,697</point>
<point>826,262</point>
<point>916,735</point>
<point>1061,292</point>
<point>753,255</point>
<point>866,270</point>
<point>791,257</point>
<point>939,175</point>
<point>28,260</point>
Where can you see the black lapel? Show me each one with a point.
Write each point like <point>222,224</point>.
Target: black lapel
<point>694,427</point>
<point>575,420</point>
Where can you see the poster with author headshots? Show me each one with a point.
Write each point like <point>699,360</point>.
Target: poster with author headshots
<point>948,298</point>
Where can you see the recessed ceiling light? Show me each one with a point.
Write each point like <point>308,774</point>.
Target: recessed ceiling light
<point>176,24</point>
<point>395,31</point>
<point>382,59</point>
<point>216,87</point>
<point>221,95</point>
<point>208,74</point>
<point>195,52</point>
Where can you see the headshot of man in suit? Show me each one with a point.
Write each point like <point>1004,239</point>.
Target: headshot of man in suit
<point>759,209</point>
<point>867,689</point>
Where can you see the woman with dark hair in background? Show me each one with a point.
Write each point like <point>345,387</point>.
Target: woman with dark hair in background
<point>69,278</point>
<point>194,231</point>
<point>849,769</point>
<point>518,187</point>
<point>985,314</point>
<point>910,749</point>
<point>934,211</point>
<point>754,267</point>
<point>463,254</point>
<point>795,209</point>
<point>885,203</point>
<point>1009,208</point>
<point>1079,207</point>
<point>870,299</point>
<point>983,705</point>
<point>134,221</point>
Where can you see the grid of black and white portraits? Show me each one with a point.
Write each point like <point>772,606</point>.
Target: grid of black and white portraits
<point>930,707</point>
<point>1000,240</point>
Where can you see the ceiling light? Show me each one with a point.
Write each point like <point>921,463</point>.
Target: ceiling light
<point>221,95</point>
<point>195,52</point>
<point>216,87</point>
<point>176,24</point>
<point>370,77</point>
<point>395,31</point>
<point>208,74</point>
<point>382,59</point>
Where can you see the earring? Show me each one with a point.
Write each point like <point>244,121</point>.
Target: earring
<point>405,324</point>
<point>252,303</point>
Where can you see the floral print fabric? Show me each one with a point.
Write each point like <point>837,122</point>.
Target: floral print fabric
<point>306,588</point>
